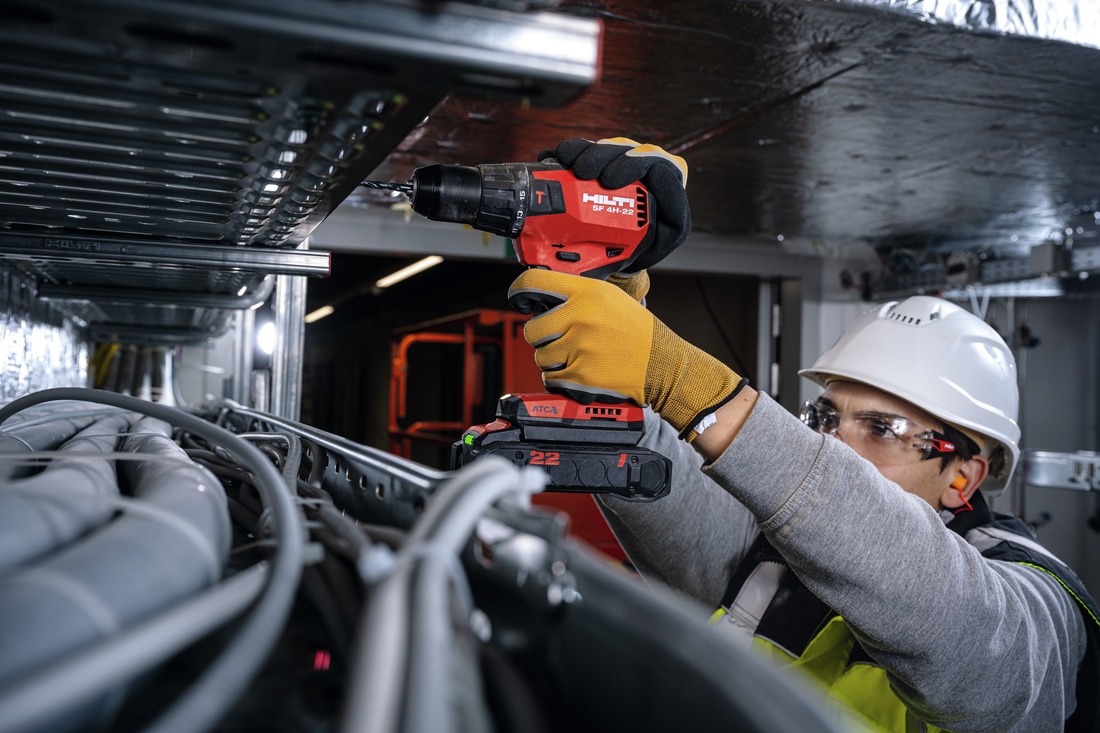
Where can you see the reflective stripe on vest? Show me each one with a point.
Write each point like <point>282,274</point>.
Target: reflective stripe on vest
<point>856,692</point>
<point>741,619</point>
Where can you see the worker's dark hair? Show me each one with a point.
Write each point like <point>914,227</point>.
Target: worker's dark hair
<point>965,447</point>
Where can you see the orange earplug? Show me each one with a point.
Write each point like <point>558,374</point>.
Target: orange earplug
<point>958,485</point>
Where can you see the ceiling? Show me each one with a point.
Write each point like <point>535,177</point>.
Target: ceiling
<point>851,122</point>
<point>160,161</point>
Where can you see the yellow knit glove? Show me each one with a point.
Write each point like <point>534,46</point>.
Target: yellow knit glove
<point>597,344</point>
<point>636,285</point>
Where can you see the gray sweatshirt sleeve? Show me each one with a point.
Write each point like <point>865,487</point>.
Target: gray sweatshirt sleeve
<point>970,644</point>
<point>690,540</point>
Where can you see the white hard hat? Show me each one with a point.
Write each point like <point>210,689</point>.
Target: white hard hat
<point>942,359</point>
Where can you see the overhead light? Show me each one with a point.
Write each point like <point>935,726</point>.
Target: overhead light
<point>325,310</point>
<point>406,272</point>
<point>1043,287</point>
<point>265,339</point>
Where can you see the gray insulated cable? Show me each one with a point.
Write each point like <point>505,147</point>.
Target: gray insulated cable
<point>78,490</point>
<point>410,672</point>
<point>34,437</point>
<point>172,540</point>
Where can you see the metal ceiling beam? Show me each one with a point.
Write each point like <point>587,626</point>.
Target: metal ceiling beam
<point>48,248</point>
<point>109,295</point>
<point>378,231</point>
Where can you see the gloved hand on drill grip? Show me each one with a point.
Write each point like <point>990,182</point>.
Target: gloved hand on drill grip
<point>596,343</point>
<point>620,161</point>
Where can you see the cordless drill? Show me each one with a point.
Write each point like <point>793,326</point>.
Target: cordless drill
<point>557,222</point>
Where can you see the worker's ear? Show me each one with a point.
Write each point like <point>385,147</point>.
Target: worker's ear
<point>961,480</point>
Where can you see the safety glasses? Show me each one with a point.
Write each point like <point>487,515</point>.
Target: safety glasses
<point>882,438</point>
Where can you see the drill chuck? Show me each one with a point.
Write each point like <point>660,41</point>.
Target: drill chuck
<point>490,198</point>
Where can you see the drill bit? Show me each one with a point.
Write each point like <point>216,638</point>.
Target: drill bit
<point>405,188</point>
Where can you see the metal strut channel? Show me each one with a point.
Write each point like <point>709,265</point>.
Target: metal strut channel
<point>110,295</point>
<point>370,484</point>
<point>122,252</point>
<point>544,56</point>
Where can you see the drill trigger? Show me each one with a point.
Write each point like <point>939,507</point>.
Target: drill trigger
<point>531,300</point>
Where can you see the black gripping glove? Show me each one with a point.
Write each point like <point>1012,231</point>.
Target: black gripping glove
<point>618,162</point>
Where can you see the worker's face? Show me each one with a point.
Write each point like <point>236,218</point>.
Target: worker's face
<point>866,427</point>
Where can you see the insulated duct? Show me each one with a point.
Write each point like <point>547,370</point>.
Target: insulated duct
<point>36,435</point>
<point>1061,20</point>
<point>76,492</point>
<point>172,539</point>
<point>137,590</point>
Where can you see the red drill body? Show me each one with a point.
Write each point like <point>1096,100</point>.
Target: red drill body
<point>556,220</point>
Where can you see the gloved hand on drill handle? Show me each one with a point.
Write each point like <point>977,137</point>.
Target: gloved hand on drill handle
<point>596,343</point>
<point>617,162</point>
<point>632,161</point>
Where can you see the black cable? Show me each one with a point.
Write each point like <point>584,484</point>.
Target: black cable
<point>276,457</point>
<point>319,464</point>
<point>344,542</point>
<point>242,515</point>
<point>339,523</point>
<point>513,702</point>
<point>249,497</point>
<point>739,363</point>
<point>325,601</point>
<point>227,472</point>
<point>219,687</point>
<point>203,454</point>
<point>392,537</point>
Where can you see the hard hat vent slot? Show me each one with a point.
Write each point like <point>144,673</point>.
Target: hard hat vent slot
<point>910,320</point>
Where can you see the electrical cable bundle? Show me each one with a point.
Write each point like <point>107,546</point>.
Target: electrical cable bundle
<point>232,571</point>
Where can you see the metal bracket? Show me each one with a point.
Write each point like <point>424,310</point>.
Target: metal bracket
<point>1079,471</point>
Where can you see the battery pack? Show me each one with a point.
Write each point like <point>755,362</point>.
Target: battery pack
<point>583,448</point>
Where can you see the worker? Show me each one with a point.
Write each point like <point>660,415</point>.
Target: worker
<point>853,542</point>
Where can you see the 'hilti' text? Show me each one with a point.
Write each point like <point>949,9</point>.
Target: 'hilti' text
<point>602,199</point>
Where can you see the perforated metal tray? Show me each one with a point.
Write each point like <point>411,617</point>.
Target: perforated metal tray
<point>129,128</point>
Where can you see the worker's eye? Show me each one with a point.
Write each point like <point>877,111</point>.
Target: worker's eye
<point>883,428</point>
<point>828,421</point>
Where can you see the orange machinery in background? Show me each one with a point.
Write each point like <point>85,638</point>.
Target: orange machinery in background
<point>478,337</point>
